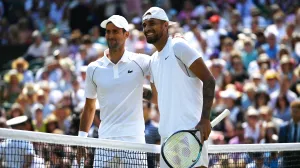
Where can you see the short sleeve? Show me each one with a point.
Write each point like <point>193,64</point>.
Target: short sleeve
<point>90,90</point>
<point>143,61</point>
<point>184,52</point>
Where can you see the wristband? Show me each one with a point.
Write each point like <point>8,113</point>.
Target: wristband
<point>82,134</point>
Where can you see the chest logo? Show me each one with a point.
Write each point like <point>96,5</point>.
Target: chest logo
<point>130,71</point>
<point>167,57</point>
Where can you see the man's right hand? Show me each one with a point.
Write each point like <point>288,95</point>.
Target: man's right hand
<point>81,152</point>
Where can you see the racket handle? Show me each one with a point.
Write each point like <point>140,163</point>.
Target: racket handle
<point>220,117</point>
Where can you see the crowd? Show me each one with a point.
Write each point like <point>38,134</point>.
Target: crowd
<point>252,47</point>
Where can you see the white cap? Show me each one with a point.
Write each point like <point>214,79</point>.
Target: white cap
<point>229,93</point>
<point>117,20</point>
<point>16,120</point>
<point>155,13</point>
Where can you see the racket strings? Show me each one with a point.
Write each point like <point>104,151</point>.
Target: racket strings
<point>181,150</point>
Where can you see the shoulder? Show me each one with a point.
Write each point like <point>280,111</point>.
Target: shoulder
<point>179,42</point>
<point>179,45</point>
<point>93,65</point>
<point>139,57</point>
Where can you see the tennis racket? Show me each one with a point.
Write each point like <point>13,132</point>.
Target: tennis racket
<point>183,148</point>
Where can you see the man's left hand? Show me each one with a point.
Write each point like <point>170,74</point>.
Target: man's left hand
<point>205,128</point>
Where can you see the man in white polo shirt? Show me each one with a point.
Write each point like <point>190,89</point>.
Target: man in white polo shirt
<point>181,80</point>
<point>116,80</point>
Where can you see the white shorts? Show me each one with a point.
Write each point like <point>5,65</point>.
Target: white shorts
<point>203,161</point>
<point>111,158</point>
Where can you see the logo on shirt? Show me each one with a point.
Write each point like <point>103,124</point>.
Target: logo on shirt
<point>167,57</point>
<point>130,71</point>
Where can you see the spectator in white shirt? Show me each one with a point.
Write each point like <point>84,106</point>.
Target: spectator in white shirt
<point>38,49</point>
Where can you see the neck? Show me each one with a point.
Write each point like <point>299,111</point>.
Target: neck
<point>160,44</point>
<point>116,54</point>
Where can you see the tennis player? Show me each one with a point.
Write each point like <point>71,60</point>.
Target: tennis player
<point>181,80</point>
<point>116,80</point>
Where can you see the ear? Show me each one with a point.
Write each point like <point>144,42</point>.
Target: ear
<point>166,25</point>
<point>126,34</point>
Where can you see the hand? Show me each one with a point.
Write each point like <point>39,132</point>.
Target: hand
<point>81,152</point>
<point>205,128</point>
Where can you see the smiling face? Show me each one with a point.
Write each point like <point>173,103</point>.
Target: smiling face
<point>115,36</point>
<point>154,29</point>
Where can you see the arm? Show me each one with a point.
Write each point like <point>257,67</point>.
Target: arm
<point>154,93</point>
<point>199,68</point>
<point>87,115</point>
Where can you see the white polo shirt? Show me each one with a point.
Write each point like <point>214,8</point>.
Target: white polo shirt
<point>119,89</point>
<point>180,96</point>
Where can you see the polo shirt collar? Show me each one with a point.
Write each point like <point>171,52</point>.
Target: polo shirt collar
<point>106,60</point>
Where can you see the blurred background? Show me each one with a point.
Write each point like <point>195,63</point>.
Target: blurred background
<point>252,47</point>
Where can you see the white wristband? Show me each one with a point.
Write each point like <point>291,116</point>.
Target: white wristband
<point>82,134</point>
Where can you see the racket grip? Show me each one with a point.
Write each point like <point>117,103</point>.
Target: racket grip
<point>220,117</point>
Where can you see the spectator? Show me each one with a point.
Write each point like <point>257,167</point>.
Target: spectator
<point>229,97</point>
<point>289,132</point>
<point>21,65</point>
<point>251,126</point>
<point>270,134</point>
<point>39,48</point>
<point>266,114</point>
<point>12,87</point>
<point>38,122</point>
<point>248,97</point>
<point>262,97</point>
<point>16,111</point>
<point>240,135</point>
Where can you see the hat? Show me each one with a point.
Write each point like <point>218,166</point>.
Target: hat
<point>55,32</point>
<point>36,33</point>
<point>252,112</point>
<point>249,87</point>
<point>11,73</point>
<point>256,75</point>
<point>264,110</point>
<point>270,74</point>
<point>155,13</point>
<point>20,60</point>
<point>214,19</point>
<point>117,20</point>
<point>285,59</point>
<point>51,118</point>
<point>17,120</point>
<point>36,107</point>
<point>29,89</point>
<point>230,93</point>
<point>263,58</point>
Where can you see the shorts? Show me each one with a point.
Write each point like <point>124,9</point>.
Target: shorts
<point>203,161</point>
<point>113,158</point>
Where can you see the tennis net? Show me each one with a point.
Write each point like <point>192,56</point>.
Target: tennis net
<point>39,150</point>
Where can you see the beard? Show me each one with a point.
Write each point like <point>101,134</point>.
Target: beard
<point>153,39</point>
<point>113,44</point>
